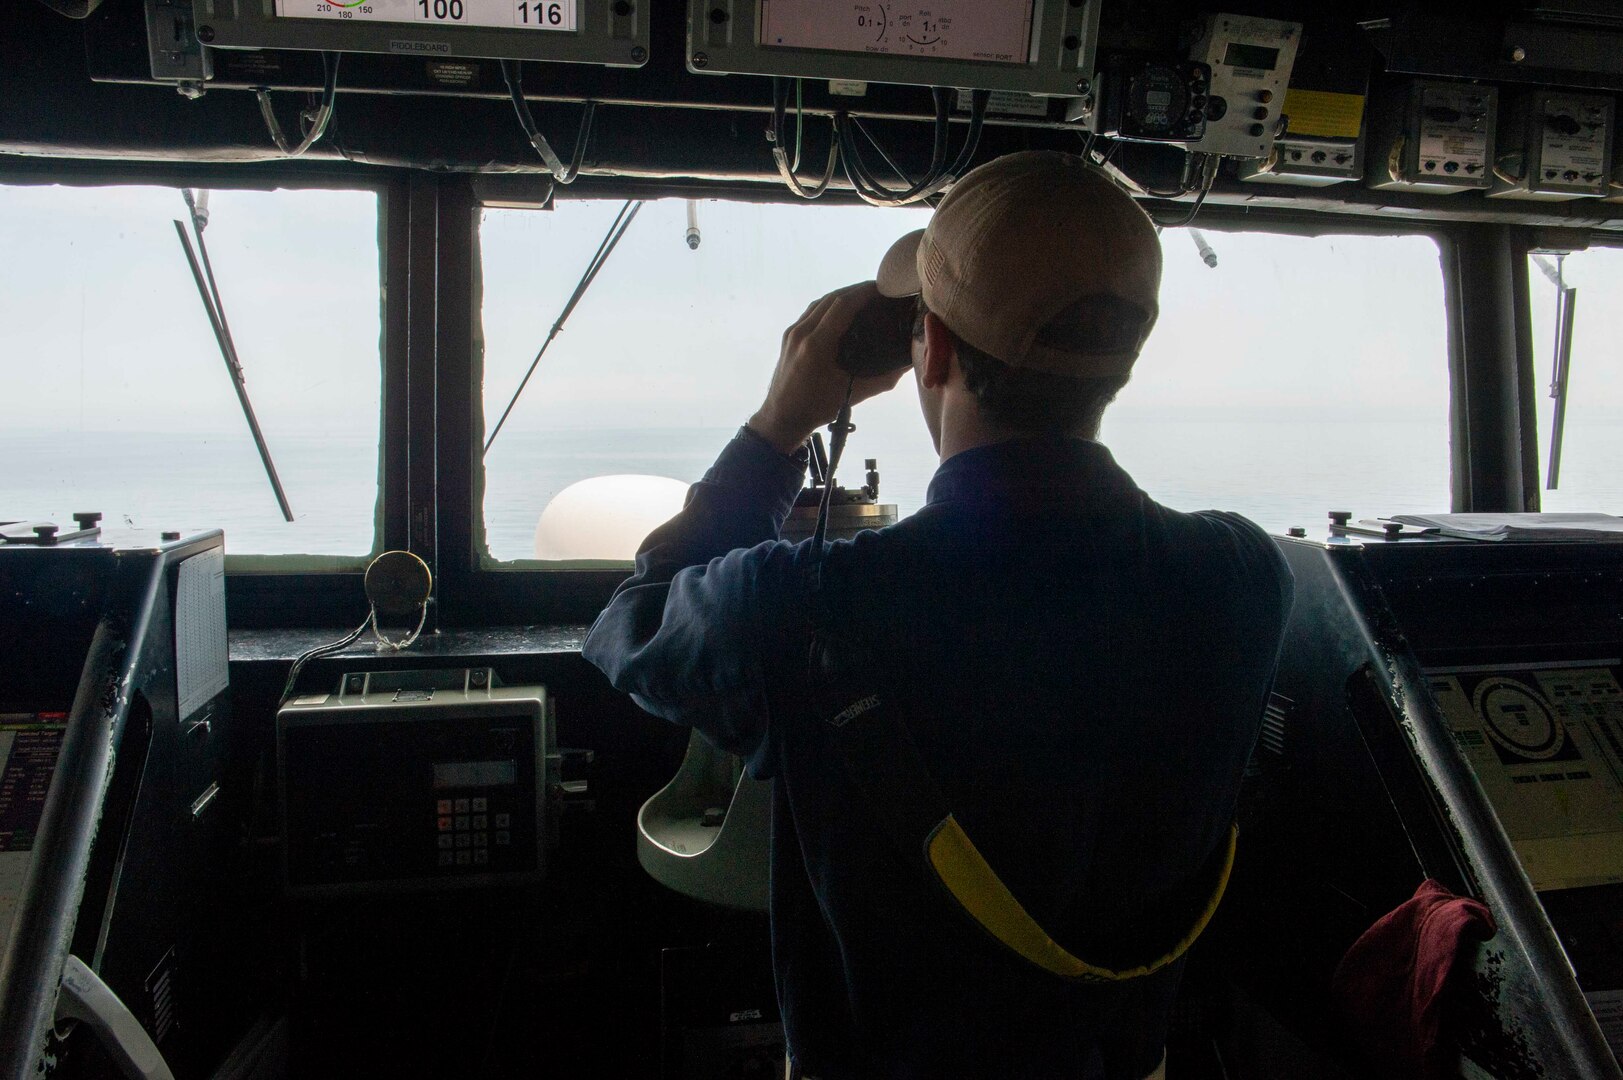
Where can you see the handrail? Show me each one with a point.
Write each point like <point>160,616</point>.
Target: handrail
<point>1503,884</point>
<point>42,932</point>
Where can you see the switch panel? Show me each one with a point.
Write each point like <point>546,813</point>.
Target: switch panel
<point>1444,141</point>
<point>1250,61</point>
<point>1555,145</point>
<point>1308,162</point>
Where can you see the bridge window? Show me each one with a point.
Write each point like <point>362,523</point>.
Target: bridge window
<point>1298,375</point>
<point>1592,434</point>
<point>668,353</point>
<point>115,397</point>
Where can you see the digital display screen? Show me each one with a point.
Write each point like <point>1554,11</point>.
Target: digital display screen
<point>470,774</point>
<point>508,14</point>
<point>1547,745</point>
<point>1242,55</point>
<point>997,33</point>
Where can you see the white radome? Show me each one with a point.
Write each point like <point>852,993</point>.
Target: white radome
<point>606,517</point>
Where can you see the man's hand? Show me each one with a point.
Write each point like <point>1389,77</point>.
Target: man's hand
<point>808,387</point>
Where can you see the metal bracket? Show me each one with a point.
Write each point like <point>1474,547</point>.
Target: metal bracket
<point>176,54</point>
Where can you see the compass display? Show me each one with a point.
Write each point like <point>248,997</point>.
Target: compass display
<point>516,14</point>
<point>946,29</point>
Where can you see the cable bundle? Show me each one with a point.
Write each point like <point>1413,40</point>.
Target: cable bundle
<point>315,124</point>
<point>513,74</point>
<point>844,149</point>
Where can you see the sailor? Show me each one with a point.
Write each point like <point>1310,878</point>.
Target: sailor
<point>1075,673</point>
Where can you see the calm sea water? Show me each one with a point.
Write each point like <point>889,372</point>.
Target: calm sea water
<point>1277,472</point>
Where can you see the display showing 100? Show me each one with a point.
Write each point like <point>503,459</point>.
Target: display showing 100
<point>453,11</point>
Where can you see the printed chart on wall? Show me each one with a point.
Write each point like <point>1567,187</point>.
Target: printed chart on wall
<point>1547,744</point>
<point>29,745</point>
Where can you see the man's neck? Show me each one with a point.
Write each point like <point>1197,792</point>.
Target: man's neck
<point>966,432</point>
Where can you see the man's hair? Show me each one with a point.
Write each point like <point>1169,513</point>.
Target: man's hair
<point>1033,402</point>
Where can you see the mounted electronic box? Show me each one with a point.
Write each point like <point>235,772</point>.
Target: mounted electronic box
<point>1147,99</point>
<point>416,779</point>
<point>610,32</point>
<point>1041,47</point>
<point>1323,141</point>
<point>1555,145</point>
<point>1250,62</point>
<point>1441,139</point>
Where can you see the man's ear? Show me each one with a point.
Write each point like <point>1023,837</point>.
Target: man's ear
<point>939,353</point>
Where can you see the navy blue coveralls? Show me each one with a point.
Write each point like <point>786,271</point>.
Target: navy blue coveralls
<point>1084,672</point>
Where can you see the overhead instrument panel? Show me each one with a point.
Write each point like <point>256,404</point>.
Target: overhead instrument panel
<point>1555,146</point>
<point>569,31</point>
<point>955,30</point>
<point>1033,46</point>
<point>1441,139</point>
<point>538,15</point>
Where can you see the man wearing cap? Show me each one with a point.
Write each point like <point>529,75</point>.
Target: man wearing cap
<point>1080,671</point>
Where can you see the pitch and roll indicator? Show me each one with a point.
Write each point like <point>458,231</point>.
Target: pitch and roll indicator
<point>946,29</point>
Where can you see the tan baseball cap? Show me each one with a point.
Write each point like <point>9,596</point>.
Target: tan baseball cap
<point>1040,260</point>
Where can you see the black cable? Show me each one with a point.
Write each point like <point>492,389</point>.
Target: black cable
<point>513,73</point>
<point>929,200</point>
<point>800,125</point>
<point>617,229</point>
<point>869,187</point>
<point>318,122</point>
<point>977,118</point>
<point>780,157</point>
<point>941,175</point>
<point>979,102</point>
<point>1200,199</point>
<point>839,430</point>
<point>319,651</point>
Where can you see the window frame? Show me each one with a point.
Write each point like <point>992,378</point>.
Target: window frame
<point>271,597</point>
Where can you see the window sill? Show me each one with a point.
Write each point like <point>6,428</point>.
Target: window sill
<point>446,648</point>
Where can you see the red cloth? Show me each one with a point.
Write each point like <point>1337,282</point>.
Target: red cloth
<point>1389,987</point>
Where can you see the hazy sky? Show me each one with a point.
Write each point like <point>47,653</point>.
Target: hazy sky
<point>1343,322</point>
<point>102,327</point>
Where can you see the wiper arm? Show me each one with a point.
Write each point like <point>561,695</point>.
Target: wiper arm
<point>1566,302</point>
<point>203,275</point>
<point>617,229</point>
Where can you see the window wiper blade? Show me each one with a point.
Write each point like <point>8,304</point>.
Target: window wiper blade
<point>1566,304</point>
<point>209,293</point>
<point>617,229</point>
